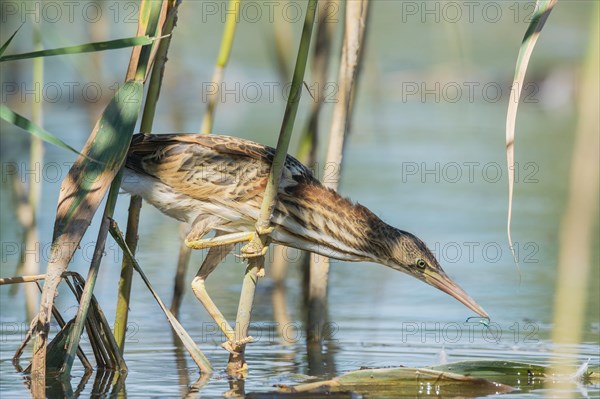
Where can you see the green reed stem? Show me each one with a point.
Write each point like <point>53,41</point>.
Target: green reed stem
<point>36,157</point>
<point>262,239</point>
<point>352,50</point>
<point>114,130</point>
<point>578,229</point>
<point>206,128</point>
<point>135,204</point>
<point>231,20</point>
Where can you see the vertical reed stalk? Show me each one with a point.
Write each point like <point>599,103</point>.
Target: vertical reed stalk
<point>262,238</point>
<point>82,191</point>
<point>135,204</point>
<point>307,151</point>
<point>326,24</point>
<point>36,157</point>
<point>231,21</point>
<point>81,195</point>
<point>279,268</point>
<point>352,51</point>
<point>124,291</point>
<point>580,219</point>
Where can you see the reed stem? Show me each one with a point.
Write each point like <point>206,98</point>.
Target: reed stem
<point>233,11</point>
<point>580,220</point>
<point>135,203</point>
<point>207,127</point>
<point>262,238</point>
<point>352,50</point>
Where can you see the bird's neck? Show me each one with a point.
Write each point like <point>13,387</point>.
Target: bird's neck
<point>340,229</point>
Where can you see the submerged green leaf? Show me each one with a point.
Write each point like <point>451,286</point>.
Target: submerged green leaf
<point>12,117</point>
<point>404,381</point>
<point>516,374</point>
<point>82,48</point>
<point>465,379</point>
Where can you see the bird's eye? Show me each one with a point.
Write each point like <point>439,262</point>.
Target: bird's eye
<point>421,264</point>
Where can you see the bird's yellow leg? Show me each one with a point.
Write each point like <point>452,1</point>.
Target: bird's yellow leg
<point>213,258</point>
<point>256,239</point>
<point>219,240</point>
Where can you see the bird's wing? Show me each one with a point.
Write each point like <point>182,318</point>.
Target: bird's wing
<point>235,146</point>
<point>210,166</point>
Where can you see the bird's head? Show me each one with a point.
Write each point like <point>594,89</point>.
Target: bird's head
<point>410,255</point>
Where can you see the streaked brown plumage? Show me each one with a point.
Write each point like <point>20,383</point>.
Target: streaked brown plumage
<point>217,183</point>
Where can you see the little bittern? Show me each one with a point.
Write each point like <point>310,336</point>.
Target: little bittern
<point>217,183</point>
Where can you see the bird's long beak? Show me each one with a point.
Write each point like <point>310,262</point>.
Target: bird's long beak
<point>444,283</point>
